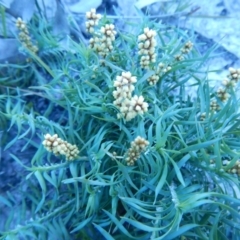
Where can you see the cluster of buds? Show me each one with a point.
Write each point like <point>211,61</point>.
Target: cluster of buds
<point>179,57</point>
<point>92,20</point>
<point>232,79</point>
<point>147,44</point>
<point>184,50</point>
<point>203,116</point>
<point>102,43</point>
<point>137,147</point>
<point>222,94</point>
<point>129,106</point>
<point>214,106</point>
<point>124,87</point>
<point>24,36</point>
<point>58,146</point>
<point>235,169</point>
<point>153,79</point>
<point>187,47</point>
<point>102,40</point>
<point>161,70</point>
<point>229,82</point>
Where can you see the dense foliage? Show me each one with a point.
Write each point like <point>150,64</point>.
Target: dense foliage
<point>153,160</point>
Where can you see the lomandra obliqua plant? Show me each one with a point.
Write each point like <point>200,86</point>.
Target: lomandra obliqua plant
<point>119,149</point>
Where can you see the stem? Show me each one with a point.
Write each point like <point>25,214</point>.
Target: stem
<point>39,60</point>
<point>3,16</point>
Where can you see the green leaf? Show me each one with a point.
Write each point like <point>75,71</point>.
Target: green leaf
<point>105,234</point>
<point>180,231</point>
<point>142,226</point>
<point>49,179</point>
<point>119,224</point>
<point>162,181</point>
<point>18,161</point>
<point>178,172</point>
<point>81,225</point>
<point>42,184</point>
<point>199,146</point>
<point>5,201</point>
<point>139,210</point>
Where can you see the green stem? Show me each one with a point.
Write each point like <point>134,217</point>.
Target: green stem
<point>3,16</point>
<point>41,63</point>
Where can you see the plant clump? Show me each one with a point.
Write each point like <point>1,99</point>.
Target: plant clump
<point>142,159</point>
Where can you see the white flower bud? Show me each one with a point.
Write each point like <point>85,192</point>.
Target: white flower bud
<point>55,143</point>
<point>232,70</point>
<point>147,44</point>
<point>149,34</point>
<point>142,37</point>
<point>140,45</point>
<point>146,30</point>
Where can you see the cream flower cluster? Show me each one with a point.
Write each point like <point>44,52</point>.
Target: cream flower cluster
<point>124,87</point>
<point>102,43</point>
<point>93,20</point>
<point>60,147</point>
<point>24,35</point>
<point>232,79</point>
<point>188,46</point>
<point>153,79</point>
<point>214,106</point>
<point>222,94</point>
<point>161,69</point>
<point>137,147</point>
<point>147,44</point>
<point>129,106</point>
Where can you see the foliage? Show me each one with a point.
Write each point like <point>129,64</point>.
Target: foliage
<point>178,188</point>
